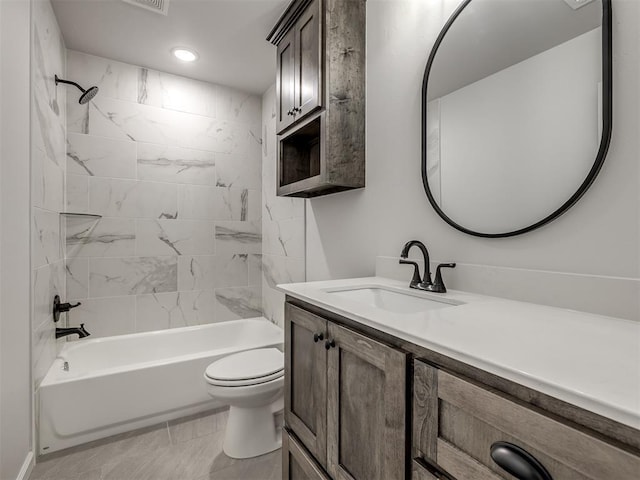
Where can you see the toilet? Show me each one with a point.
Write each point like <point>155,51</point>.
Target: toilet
<point>252,384</point>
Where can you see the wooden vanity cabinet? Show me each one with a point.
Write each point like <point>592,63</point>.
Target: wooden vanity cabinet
<point>344,399</point>
<point>361,404</point>
<point>320,97</point>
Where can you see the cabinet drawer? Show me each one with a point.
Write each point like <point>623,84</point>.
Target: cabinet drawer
<point>297,464</point>
<point>471,418</point>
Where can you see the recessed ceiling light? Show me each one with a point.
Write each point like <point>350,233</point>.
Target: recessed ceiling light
<point>184,54</point>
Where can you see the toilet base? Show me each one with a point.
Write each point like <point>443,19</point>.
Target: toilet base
<point>251,432</point>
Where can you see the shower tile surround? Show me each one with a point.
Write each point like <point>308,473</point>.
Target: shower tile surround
<point>48,167</point>
<point>283,224</point>
<point>174,167</point>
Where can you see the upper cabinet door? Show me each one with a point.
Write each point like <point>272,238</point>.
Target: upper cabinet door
<point>285,81</point>
<point>308,96</point>
<point>305,401</point>
<point>366,412</point>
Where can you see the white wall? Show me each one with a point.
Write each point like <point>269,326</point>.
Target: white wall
<point>598,237</point>
<point>15,355</point>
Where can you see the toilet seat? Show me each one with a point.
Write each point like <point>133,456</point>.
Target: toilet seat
<point>244,383</point>
<point>251,367</point>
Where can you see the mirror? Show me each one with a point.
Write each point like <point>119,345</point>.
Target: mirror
<point>516,112</point>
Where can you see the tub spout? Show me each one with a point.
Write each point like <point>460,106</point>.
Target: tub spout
<point>80,331</point>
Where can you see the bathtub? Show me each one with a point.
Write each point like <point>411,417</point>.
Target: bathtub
<point>116,384</point>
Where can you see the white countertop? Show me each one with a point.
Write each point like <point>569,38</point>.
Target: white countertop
<point>588,360</point>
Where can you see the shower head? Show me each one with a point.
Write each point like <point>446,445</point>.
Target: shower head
<point>87,95</point>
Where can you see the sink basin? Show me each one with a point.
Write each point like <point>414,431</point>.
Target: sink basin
<point>393,300</point>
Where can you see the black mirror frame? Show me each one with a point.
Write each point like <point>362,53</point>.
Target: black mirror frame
<point>607,125</point>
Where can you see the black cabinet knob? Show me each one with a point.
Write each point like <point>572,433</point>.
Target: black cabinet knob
<point>317,337</point>
<point>518,462</point>
<point>329,344</point>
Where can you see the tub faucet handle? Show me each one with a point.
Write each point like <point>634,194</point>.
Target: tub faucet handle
<point>59,307</point>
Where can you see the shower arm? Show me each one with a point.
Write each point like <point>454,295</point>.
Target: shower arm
<point>69,82</point>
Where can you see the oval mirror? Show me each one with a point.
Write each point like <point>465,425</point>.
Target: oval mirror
<point>516,112</point>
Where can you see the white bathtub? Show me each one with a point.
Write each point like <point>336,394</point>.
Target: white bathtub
<point>117,384</point>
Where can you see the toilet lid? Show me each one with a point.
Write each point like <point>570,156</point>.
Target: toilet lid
<point>249,365</point>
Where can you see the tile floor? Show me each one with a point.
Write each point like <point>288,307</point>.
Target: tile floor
<point>184,449</point>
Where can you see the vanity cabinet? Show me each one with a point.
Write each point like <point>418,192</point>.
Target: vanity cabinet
<point>456,421</point>
<point>362,404</point>
<point>320,97</point>
<point>344,399</point>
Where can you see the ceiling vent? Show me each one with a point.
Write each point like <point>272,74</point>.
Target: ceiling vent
<point>575,4</point>
<point>157,6</point>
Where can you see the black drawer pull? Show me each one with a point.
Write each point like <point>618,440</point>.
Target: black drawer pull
<point>329,344</point>
<point>518,462</point>
<point>433,469</point>
<point>317,337</point>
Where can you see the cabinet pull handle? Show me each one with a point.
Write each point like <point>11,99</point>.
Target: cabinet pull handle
<point>290,112</point>
<point>433,469</point>
<point>518,462</point>
<point>317,337</point>
<point>297,110</point>
<point>329,344</point>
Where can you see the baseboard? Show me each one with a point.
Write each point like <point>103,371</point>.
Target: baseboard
<point>27,467</point>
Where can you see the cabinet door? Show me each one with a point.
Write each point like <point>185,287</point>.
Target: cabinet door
<point>285,82</point>
<point>297,464</point>
<point>366,410</point>
<point>308,40</point>
<point>306,380</point>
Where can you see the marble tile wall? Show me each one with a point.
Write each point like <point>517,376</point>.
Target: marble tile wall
<point>283,224</point>
<point>174,167</point>
<point>48,166</point>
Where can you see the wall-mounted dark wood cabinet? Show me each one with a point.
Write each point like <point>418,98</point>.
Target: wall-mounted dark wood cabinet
<point>320,97</point>
<point>299,68</point>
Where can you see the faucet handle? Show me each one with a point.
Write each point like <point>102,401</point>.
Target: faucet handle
<point>416,272</point>
<point>438,283</point>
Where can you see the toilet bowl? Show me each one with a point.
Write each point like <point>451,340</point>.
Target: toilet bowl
<point>252,384</point>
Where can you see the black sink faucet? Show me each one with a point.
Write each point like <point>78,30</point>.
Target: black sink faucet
<point>425,282</point>
<point>80,331</point>
<point>416,281</point>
